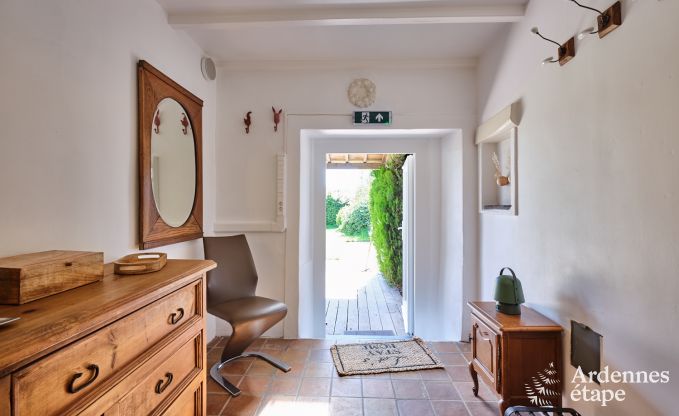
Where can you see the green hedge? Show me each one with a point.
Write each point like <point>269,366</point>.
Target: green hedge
<point>386,213</point>
<point>332,207</point>
<point>354,220</point>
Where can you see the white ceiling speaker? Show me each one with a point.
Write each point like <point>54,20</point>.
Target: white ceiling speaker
<point>207,67</point>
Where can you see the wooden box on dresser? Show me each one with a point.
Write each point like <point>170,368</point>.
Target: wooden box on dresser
<point>128,345</point>
<point>511,352</point>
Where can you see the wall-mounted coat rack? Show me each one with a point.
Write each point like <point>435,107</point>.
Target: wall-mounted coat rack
<point>607,20</point>
<point>565,53</point>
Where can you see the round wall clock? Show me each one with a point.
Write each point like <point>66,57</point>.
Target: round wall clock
<point>362,92</point>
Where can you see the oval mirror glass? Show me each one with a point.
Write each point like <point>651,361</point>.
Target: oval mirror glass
<point>173,162</point>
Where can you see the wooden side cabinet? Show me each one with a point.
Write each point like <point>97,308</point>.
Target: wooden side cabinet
<point>518,356</point>
<point>124,346</point>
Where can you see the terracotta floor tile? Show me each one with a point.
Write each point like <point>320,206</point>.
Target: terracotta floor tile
<point>464,346</point>
<point>320,356</point>
<point>441,390</point>
<point>254,385</point>
<point>465,391</point>
<point>459,372</point>
<point>451,358</point>
<point>276,344</point>
<point>213,387</point>
<point>379,407</point>
<point>272,352</point>
<point>215,403</point>
<point>409,389</point>
<point>342,387</point>
<point>406,375</point>
<point>484,409</point>
<point>382,376</point>
<point>243,405</point>
<point>237,367</point>
<point>285,386</point>
<point>296,371</point>
<point>336,374</point>
<point>378,388</point>
<point>415,407</point>
<point>346,406</point>
<point>213,356</point>
<point>233,379</point>
<point>467,356</point>
<point>434,374</point>
<point>315,387</point>
<point>260,368</point>
<point>312,399</point>
<point>276,405</point>
<point>445,347</point>
<point>448,408</point>
<point>258,343</point>
<point>314,369</point>
<point>294,356</point>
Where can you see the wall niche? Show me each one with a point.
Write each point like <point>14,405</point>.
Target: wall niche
<point>497,153</point>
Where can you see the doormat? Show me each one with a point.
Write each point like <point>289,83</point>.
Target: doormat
<point>383,357</point>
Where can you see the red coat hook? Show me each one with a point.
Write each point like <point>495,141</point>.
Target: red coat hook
<point>185,124</point>
<point>247,120</point>
<point>276,118</point>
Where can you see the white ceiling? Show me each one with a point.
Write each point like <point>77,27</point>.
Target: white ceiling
<point>312,30</point>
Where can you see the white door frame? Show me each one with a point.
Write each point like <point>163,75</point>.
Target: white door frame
<point>456,280</point>
<point>426,230</point>
<point>408,237</point>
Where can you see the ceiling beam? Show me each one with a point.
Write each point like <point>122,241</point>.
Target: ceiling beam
<point>350,16</point>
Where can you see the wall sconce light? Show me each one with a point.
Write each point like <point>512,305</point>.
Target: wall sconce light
<point>566,52</point>
<point>607,21</point>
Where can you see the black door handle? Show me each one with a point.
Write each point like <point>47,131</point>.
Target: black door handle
<point>95,373</point>
<point>161,385</point>
<point>175,317</point>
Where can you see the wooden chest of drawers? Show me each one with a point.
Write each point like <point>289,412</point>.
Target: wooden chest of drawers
<point>513,352</point>
<point>132,345</point>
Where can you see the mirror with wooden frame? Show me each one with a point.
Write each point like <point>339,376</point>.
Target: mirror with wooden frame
<point>170,164</point>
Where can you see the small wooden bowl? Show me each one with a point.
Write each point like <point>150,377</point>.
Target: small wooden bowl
<point>140,263</point>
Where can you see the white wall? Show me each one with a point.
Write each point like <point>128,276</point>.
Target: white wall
<point>246,177</point>
<point>68,117</point>
<point>596,239</point>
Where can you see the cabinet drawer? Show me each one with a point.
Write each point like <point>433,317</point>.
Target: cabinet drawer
<point>77,370</point>
<point>182,365</point>
<point>189,402</point>
<point>485,350</point>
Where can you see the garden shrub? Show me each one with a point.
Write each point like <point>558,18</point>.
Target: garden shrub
<point>386,213</point>
<point>354,220</point>
<point>332,207</point>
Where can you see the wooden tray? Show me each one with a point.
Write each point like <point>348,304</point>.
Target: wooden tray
<point>140,263</point>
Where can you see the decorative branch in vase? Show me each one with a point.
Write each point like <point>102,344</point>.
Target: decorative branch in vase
<point>501,180</point>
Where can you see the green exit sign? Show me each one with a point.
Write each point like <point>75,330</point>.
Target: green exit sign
<point>372,117</point>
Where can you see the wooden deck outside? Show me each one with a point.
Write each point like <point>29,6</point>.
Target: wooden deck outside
<point>376,307</point>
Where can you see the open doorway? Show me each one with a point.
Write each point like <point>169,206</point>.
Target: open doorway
<point>368,245</point>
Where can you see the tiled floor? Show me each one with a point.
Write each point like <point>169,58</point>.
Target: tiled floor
<point>313,388</point>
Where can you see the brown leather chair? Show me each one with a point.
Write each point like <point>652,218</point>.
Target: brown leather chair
<point>231,297</point>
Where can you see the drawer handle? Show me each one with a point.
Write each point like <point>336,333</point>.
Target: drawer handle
<point>175,317</point>
<point>481,332</point>
<point>95,373</point>
<point>161,385</point>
